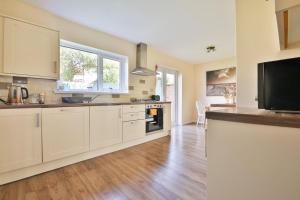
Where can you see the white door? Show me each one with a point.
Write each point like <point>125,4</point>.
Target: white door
<point>105,126</point>
<point>167,88</point>
<point>20,138</point>
<point>65,132</point>
<point>30,50</point>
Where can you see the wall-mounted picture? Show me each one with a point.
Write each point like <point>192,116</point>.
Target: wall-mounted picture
<point>221,82</point>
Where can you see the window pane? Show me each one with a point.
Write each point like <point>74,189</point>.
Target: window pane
<point>111,74</point>
<point>170,79</point>
<point>78,70</point>
<point>159,84</point>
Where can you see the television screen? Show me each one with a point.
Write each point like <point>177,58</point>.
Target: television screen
<point>279,85</point>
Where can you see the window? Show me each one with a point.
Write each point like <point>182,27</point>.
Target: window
<point>86,69</point>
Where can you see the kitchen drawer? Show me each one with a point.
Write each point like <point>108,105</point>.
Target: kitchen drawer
<point>134,130</point>
<point>133,108</point>
<point>133,116</point>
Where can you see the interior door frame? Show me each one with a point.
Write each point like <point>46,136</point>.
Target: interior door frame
<point>167,70</point>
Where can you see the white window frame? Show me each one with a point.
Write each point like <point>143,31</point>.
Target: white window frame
<point>123,87</point>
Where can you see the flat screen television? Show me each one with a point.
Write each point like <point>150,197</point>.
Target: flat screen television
<point>279,85</point>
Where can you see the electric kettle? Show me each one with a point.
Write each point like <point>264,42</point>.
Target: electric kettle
<point>16,94</point>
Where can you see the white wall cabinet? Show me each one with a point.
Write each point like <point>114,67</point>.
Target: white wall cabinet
<point>30,50</point>
<point>105,126</point>
<point>65,132</point>
<point>20,138</point>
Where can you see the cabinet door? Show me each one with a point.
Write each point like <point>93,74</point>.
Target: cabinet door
<point>65,132</point>
<point>105,126</point>
<point>167,117</point>
<point>20,139</point>
<point>134,130</point>
<point>30,50</point>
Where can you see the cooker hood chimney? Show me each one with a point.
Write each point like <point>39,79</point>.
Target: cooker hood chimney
<point>141,62</point>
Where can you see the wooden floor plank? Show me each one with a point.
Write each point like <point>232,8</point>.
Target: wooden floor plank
<point>168,168</point>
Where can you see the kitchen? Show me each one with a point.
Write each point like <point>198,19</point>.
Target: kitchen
<point>53,117</point>
<point>68,132</point>
<point>98,98</point>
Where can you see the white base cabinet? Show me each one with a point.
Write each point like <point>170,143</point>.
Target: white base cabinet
<point>105,126</point>
<point>133,130</point>
<point>33,141</point>
<point>134,124</point>
<point>65,132</point>
<point>167,117</point>
<point>20,138</point>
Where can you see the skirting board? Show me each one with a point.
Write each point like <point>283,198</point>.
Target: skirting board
<point>44,167</point>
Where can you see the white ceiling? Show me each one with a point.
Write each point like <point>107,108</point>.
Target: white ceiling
<point>181,28</point>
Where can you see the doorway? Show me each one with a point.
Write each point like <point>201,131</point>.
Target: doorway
<point>167,88</point>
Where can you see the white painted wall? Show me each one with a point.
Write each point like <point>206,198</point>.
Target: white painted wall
<point>200,79</point>
<point>257,41</point>
<point>284,4</point>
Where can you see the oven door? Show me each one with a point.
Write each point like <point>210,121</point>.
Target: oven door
<point>154,119</point>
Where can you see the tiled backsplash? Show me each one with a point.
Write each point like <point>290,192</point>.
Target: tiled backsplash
<point>139,87</point>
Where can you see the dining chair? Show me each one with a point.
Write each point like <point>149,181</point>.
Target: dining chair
<point>200,113</point>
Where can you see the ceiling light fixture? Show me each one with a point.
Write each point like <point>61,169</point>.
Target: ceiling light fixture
<point>211,49</point>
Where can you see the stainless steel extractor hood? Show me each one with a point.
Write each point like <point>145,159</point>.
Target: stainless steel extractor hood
<point>141,62</point>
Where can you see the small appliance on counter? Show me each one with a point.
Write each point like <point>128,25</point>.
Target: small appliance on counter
<point>76,99</point>
<point>154,118</point>
<point>36,98</point>
<point>155,98</point>
<point>17,94</point>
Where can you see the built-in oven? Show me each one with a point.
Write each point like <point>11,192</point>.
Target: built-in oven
<point>154,118</point>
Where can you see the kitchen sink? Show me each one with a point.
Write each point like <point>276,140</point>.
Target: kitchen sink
<point>76,99</point>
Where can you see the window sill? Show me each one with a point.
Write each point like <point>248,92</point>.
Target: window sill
<point>91,92</point>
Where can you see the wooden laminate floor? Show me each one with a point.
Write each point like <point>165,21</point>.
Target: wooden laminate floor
<point>168,168</point>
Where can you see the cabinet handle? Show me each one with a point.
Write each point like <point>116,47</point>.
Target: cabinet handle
<point>38,120</point>
<point>64,110</point>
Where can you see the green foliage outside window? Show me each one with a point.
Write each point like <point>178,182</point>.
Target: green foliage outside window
<point>75,62</point>
<point>111,70</point>
<point>84,70</point>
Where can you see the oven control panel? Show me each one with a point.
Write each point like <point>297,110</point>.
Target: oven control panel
<point>148,106</point>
